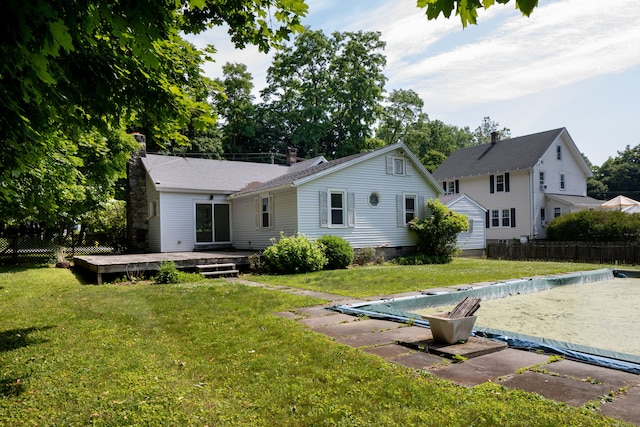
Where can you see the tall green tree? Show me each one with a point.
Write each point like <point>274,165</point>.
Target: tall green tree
<point>358,84</point>
<point>482,134</point>
<point>403,109</point>
<point>235,105</point>
<point>299,93</point>
<point>74,70</point>
<point>621,174</point>
<point>325,92</point>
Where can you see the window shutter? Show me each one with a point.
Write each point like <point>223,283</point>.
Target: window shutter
<point>351,210</point>
<point>408,168</point>
<point>421,207</point>
<point>487,219</point>
<point>491,184</point>
<point>400,210</point>
<point>513,217</point>
<point>323,209</point>
<point>457,186</point>
<point>389,165</point>
<point>272,213</point>
<point>258,212</point>
<point>506,182</point>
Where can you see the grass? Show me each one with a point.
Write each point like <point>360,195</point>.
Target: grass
<point>213,353</point>
<point>387,279</point>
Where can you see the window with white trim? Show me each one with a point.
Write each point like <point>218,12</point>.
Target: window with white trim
<point>495,218</point>
<point>499,183</point>
<point>410,207</point>
<point>562,181</point>
<point>557,212</point>
<point>506,218</point>
<point>451,187</point>
<point>559,152</point>
<point>501,218</point>
<point>265,211</point>
<point>541,179</point>
<point>337,207</point>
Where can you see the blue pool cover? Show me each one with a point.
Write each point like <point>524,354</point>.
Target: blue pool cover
<point>399,310</point>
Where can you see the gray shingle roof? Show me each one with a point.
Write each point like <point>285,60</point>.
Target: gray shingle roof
<point>519,153</point>
<point>299,173</point>
<point>219,176</point>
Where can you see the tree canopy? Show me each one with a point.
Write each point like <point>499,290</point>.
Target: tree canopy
<point>618,175</point>
<point>74,75</point>
<point>468,9</point>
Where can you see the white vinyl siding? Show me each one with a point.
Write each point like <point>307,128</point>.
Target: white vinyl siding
<point>251,237</point>
<point>373,225</point>
<point>474,238</point>
<point>177,214</point>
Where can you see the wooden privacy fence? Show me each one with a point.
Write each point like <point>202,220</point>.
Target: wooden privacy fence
<point>591,252</point>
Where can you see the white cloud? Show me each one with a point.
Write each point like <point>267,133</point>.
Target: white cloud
<point>560,44</point>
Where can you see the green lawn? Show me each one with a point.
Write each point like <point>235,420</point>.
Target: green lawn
<point>390,279</point>
<point>212,353</point>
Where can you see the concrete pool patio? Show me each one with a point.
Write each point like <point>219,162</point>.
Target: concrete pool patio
<point>615,393</point>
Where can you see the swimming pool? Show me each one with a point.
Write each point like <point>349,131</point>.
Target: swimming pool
<point>588,316</point>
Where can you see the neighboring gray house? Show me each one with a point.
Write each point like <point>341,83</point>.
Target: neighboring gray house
<point>523,182</point>
<point>366,198</point>
<point>474,239</point>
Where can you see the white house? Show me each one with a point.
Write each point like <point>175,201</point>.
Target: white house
<point>366,198</point>
<point>523,182</point>
<point>474,239</point>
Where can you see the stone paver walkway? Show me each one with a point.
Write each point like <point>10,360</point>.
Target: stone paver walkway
<point>615,393</point>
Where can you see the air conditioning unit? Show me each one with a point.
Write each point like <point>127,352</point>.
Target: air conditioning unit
<point>543,187</point>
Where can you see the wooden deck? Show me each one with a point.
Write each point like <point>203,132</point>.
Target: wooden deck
<point>138,263</point>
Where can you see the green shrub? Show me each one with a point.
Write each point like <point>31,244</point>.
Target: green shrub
<point>595,226</point>
<point>438,231</point>
<point>294,254</point>
<point>168,273</point>
<point>338,251</point>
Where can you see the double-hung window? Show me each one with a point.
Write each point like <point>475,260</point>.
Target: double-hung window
<point>499,183</point>
<point>265,212</point>
<point>410,207</point>
<point>562,183</point>
<point>337,208</point>
<point>501,218</point>
<point>506,218</point>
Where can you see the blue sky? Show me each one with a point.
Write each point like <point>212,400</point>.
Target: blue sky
<point>572,63</point>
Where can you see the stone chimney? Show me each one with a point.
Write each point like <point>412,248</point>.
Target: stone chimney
<point>137,204</point>
<point>292,155</point>
<point>494,137</point>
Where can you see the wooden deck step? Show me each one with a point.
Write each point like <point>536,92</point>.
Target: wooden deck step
<point>218,270</point>
<point>215,266</point>
<point>221,273</point>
